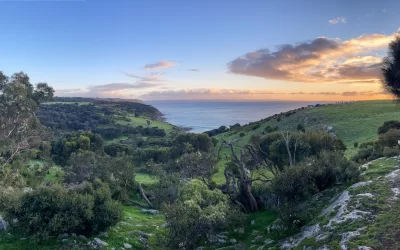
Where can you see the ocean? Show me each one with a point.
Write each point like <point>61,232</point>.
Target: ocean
<point>202,116</point>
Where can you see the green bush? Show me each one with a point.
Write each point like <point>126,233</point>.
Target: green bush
<point>390,152</point>
<point>313,175</point>
<point>50,211</point>
<point>300,127</point>
<point>241,134</point>
<point>198,212</point>
<point>388,125</point>
<point>356,144</point>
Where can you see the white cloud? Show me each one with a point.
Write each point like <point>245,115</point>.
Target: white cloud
<point>337,20</point>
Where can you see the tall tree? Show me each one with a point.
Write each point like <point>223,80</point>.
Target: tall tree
<point>19,128</point>
<point>391,68</point>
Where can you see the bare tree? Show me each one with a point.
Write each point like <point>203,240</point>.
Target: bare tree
<point>240,177</point>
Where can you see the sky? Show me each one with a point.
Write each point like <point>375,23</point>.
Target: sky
<point>201,49</point>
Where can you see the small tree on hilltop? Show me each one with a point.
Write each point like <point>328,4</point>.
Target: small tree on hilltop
<point>391,69</point>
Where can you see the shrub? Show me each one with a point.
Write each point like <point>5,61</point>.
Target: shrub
<point>279,119</point>
<point>50,211</point>
<point>198,212</point>
<point>300,127</point>
<point>313,175</point>
<point>255,127</point>
<point>390,152</point>
<point>356,144</point>
<point>388,125</point>
<point>241,134</point>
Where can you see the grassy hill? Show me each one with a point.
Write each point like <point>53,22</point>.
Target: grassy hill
<point>352,122</point>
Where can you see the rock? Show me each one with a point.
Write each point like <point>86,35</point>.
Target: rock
<point>200,248</point>
<point>361,184</point>
<point>99,242</point>
<point>23,238</point>
<point>142,240</point>
<point>253,222</point>
<point>3,224</point>
<point>149,211</point>
<point>165,225</point>
<point>127,246</point>
<point>268,241</point>
<point>64,241</point>
<point>233,241</point>
<point>104,234</point>
<point>73,235</point>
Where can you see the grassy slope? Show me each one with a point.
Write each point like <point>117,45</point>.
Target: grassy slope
<point>142,121</point>
<point>352,122</point>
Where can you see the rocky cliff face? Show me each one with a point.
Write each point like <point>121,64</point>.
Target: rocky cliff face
<point>353,219</point>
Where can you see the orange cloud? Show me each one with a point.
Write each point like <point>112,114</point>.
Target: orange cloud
<point>322,60</point>
<point>238,94</point>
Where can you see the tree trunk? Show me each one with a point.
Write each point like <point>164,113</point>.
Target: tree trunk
<point>246,191</point>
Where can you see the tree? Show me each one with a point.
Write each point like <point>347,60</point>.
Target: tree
<point>19,128</point>
<point>391,68</point>
<point>239,176</point>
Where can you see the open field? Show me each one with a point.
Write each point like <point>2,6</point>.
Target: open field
<point>142,121</point>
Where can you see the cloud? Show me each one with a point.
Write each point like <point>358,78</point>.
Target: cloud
<point>204,94</point>
<point>108,90</point>
<point>345,93</point>
<point>112,87</point>
<point>192,70</point>
<point>322,60</point>
<point>243,94</point>
<point>337,20</point>
<point>151,77</point>
<point>164,64</point>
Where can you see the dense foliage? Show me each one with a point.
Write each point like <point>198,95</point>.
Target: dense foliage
<point>50,211</point>
<point>198,212</point>
<point>90,117</point>
<point>387,144</point>
<point>391,68</point>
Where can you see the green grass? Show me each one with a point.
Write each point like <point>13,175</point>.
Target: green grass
<point>380,167</point>
<point>352,122</point>
<point>116,140</point>
<point>146,179</point>
<point>79,103</point>
<point>142,121</point>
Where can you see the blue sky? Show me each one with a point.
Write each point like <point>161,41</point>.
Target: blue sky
<point>88,47</point>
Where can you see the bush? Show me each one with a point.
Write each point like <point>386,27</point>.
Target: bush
<point>315,174</point>
<point>300,127</point>
<point>50,211</point>
<point>388,125</point>
<point>356,144</point>
<point>198,212</point>
<point>255,127</point>
<point>390,152</point>
<point>241,134</point>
